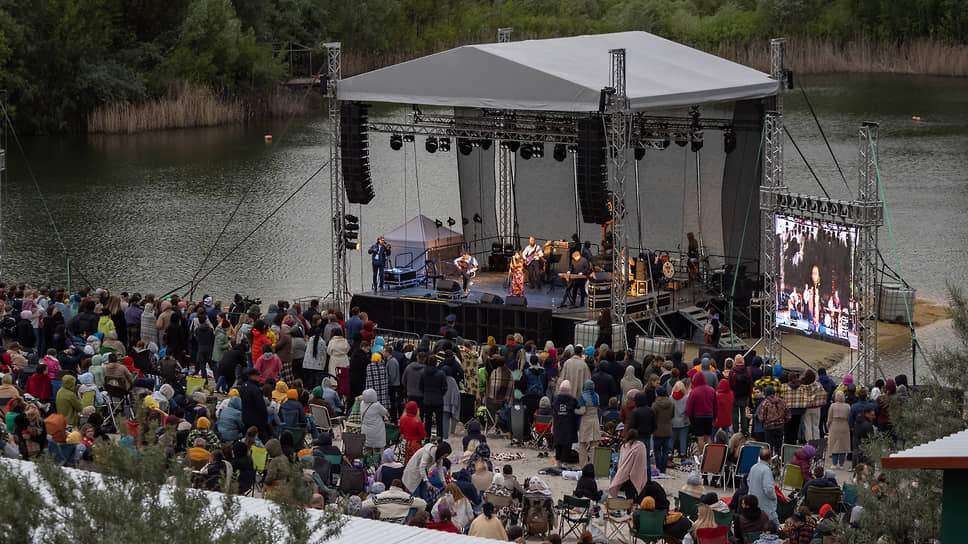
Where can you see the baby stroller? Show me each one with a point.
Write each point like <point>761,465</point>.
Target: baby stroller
<point>541,438</point>
<point>537,514</point>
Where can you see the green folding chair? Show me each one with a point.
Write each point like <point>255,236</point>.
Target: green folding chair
<point>687,505</point>
<point>793,478</point>
<point>651,525</point>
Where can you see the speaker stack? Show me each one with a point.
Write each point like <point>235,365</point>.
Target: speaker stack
<point>488,298</point>
<point>592,171</point>
<point>355,153</point>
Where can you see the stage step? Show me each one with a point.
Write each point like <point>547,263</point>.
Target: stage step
<point>697,316</point>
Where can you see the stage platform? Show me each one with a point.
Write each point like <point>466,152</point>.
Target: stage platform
<point>419,310</point>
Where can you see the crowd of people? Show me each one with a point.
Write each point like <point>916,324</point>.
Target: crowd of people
<point>218,383</point>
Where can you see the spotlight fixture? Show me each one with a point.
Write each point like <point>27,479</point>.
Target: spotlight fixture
<point>525,152</point>
<point>464,221</point>
<point>682,139</point>
<point>396,142</point>
<point>485,144</point>
<point>560,152</point>
<point>478,218</point>
<point>511,145</point>
<point>451,222</point>
<point>695,140</point>
<point>438,223</point>
<point>537,150</point>
<point>408,138</point>
<point>464,146</point>
<point>444,144</point>
<point>639,153</point>
<point>729,140</point>
<point>431,144</point>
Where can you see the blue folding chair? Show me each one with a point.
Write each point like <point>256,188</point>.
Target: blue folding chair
<point>748,457</point>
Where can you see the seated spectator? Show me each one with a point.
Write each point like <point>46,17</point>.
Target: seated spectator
<point>229,423</point>
<point>712,501</point>
<point>389,469</point>
<point>68,403</point>
<point>799,527</point>
<point>204,431</point>
<point>676,526</point>
<point>511,482</point>
<point>8,390</point>
<point>751,519</point>
<point>612,412</point>
<point>38,385</point>
<point>395,503</point>
<point>277,471</point>
<point>482,477</point>
<point>291,412</point>
<point>116,375</point>
<point>443,522</point>
<point>420,519</point>
<point>455,502</point>
<point>473,429</point>
<point>497,488</point>
<point>802,458</point>
<point>487,525</point>
<point>693,486</point>
<point>56,427</point>
<point>85,384</point>
<point>587,487</point>
<point>462,479</point>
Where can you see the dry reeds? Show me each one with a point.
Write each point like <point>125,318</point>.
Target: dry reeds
<point>187,107</point>
<point>815,56</point>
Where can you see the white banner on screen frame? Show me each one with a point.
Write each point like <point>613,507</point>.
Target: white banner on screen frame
<point>816,281</point>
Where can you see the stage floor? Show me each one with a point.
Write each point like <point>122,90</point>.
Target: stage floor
<point>548,296</point>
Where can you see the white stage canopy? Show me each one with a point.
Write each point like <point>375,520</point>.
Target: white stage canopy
<point>419,239</point>
<point>561,74</point>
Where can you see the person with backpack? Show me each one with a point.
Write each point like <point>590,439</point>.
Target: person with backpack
<point>774,414</point>
<point>605,385</point>
<point>742,385</point>
<point>533,379</point>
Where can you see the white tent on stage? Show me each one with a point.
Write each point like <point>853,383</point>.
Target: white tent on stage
<point>419,239</point>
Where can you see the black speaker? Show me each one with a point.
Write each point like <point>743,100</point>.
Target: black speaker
<point>517,301</point>
<point>355,153</point>
<point>448,286</point>
<point>488,298</point>
<point>591,169</point>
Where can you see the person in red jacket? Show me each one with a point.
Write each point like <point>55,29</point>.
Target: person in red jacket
<point>38,384</point>
<point>443,522</point>
<point>701,408</point>
<point>412,429</point>
<point>724,406</point>
<point>259,339</point>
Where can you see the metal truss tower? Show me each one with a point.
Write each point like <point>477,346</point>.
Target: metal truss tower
<point>870,219</point>
<point>619,133</point>
<point>506,217</point>
<point>337,193</point>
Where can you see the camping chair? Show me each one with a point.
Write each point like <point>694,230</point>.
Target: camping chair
<point>788,451</point>
<point>353,446</point>
<point>62,454</point>
<point>687,505</point>
<point>499,502</point>
<point>713,462</point>
<point>260,458</point>
<point>712,535</point>
<point>540,429</point>
<point>322,420</point>
<point>748,457</point>
<point>618,515</point>
<point>352,480</point>
<point>793,478</point>
<point>192,381</point>
<point>491,411</point>
<point>760,445</point>
<point>573,514</point>
<point>724,519</point>
<point>816,497</point>
<point>651,526</point>
<point>298,435</point>
<point>850,494</point>
<point>118,400</point>
<point>335,461</point>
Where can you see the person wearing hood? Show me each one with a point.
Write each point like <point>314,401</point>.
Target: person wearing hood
<point>149,333</point>
<point>97,370</point>
<point>751,519</point>
<point>589,430</point>
<point>231,363</point>
<point>230,426</point>
<point>371,423</point>
<point>587,488</point>
<point>575,371</point>
<point>632,473</point>
<point>25,332</point>
<point>565,408</point>
<point>724,408</point>
<point>68,403</point>
<point>278,468</point>
<point>605,385</point>
<point>802,458</point>
<point>389,468</point>
<point>473,430</point>
<point>412,429</point>
<point>706,367</point>
<point>629,381</point>
<point>430,456</point>
<point>664,410</point>
<point>284,350</point>
<point>701,407</point>
<point>112,343</point>
<point>163,397</point>
<point>328,392</point>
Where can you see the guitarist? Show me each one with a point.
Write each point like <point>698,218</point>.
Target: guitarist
<point>533,260</point>
<point>467,265</point>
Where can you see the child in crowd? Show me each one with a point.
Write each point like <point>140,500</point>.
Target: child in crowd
<point>612,412</point>
<point>511,483</point>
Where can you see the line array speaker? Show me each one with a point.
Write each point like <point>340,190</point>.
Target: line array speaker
<point>355,153</point>
<point>592,171</point>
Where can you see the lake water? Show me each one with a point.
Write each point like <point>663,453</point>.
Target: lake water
<point>140,212</point>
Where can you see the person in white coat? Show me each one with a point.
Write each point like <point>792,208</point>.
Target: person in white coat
<point>416,472</point>
<point>760,481</point>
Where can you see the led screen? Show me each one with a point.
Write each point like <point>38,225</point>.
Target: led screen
<point>816,283</point>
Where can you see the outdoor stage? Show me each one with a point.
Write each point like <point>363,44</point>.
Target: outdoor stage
<point>419,310</point>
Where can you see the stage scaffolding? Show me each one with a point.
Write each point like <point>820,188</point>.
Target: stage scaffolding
<point>337,192</point>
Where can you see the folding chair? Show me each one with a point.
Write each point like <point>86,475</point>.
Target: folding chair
<point>850,494</point>
<point>298,435</point>
<point>323,421</point>
<point>748,457</point>
<point>713,462</point>
<point>192,381</point>
<point>352,480</point>
<point>818,496</point>
<point>353,446</point>
<point>712,535</point>
<point>540,429</point>
<point>618,515</point>
<point>499,502</point>
<point>723,519</point>
<point>492,409</point>
<point>260,458</point>
<point>788,451</point>
<point>118,400</point>
<point>760,445</point>
<point>651,526</point>
<point>575,514</point>
<point>334,461</point>
<point>792,477</point>
<point>687,505</point>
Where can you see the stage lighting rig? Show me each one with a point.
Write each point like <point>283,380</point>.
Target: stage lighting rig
<point>451,221</point>
<point>431,144</point>
<point>560,153</point>
<point>525,152</point>
<point>485,144</point>
<point>464,146</point>
<point>351,232</point>
<point>639,153</point>
<point>444,144</point>
<point>537,150</point>
<point>438,223</point>
<point>511,145</point>
<point>478,219</point>
<point>396,142</point>
<point>729,140</point>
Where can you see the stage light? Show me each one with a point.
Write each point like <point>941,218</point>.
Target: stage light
<point>729,140</point>
<point>525,152</point>
<point>485,144</point>
<point>408,138</point>
<point>451,222</point>
<point>478,218</point>
<point>444,144</point>
<point>439,223</point>
<point>464,221</point>
<point>464,146</point>
<point>560,152</point>
<point>666,143</point>
<point>431,144</point>
<point>639,153</point>
<point>537,150</point>
<point>682,139</point>
<point>696,140</point>
<point>351,232</point>
<point>511,145</point>
<point>396,142</point>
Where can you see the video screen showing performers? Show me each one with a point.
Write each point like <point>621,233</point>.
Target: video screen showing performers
<point>816,283</point>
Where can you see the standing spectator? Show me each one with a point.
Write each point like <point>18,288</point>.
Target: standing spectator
<point>371,423</point>
<point>268,364</point>
<point>662,437</point>
<point>574,371</point>
<point>433,386</point>
<point>774,414</point>
<point>724,406</point>
<point>798,399</point>
<point>701,408</point>
<point>589,430</point>
<point>451,403</point>
<point>376,379</point>
<point>412,376</point>
<point>863,430</point>
<point>742,384</point>
<point>761,484</point>
<point>564,423</point>
<point>828,387</point>
<point>839,443</point>
<point>642,419</point>
<point>204,336</point>
<point>680,420</point>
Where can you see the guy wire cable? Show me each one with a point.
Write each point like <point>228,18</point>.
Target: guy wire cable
<point>817,120</point>
<point>247,189</point>
<point>40,193</point>
<point>810,168</point>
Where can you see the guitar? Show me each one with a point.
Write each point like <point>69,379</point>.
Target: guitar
<point>537,254</point>
<point>466,267</point>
